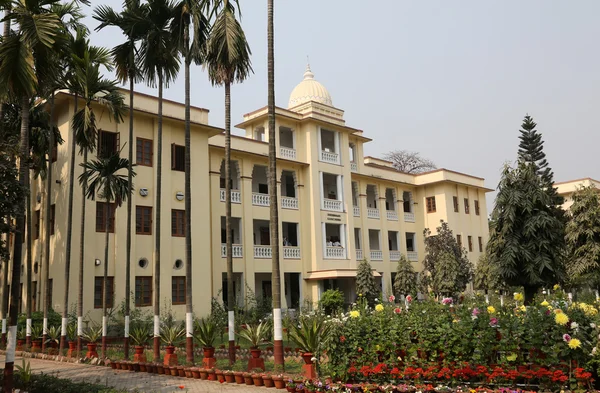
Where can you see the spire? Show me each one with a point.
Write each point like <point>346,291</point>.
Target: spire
<point>308,73</point>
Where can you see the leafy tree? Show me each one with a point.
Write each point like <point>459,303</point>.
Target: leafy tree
<point>409,161</point>
<point>405,281</point>
<point>583,237</point>
<point>365,283</point>
<point>447,270</point>
<point>332,300</point>
<point>527,239</point>
<point>487,277</point>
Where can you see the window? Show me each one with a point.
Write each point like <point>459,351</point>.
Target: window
<point>143,220</point>
<point>177,222</point>
<point>50,291</point>
<point>177,157</point>
<point>99,291</point>
<point>466,205</point>
<point>143,151</point>
<point>143,291</point>
<point>101,211</point>
<point>178,290</point>
<point>459,240</point>
<point>36,232</point>
<point>480,239</point>
<point>430,202</point>
<point>476,207</point>
<point>455,200</point>
<point>52,218</point>
<point>108,144</point>
<point>470,242</point>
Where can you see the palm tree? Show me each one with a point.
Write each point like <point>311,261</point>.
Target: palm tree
<point>160,65</point>
<point>104,177</point>
<point>189,28</point>
<point>130,21</point>
<point>274,212</point>
<point>228,61</point>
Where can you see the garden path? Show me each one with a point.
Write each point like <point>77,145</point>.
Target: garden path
<point>131,381</point>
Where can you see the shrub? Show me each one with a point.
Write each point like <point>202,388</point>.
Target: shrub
<point>332,301</point>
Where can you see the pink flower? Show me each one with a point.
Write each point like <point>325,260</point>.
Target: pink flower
<point>409,298</point>
<point>447,300</point>
<point>493,321</point>
<point>392,298</point>
<point>475,312</point>
<point>397,310</point>
<point>566,338</point>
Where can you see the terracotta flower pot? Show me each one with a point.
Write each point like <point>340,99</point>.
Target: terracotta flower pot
<point>160,368</point>
<point>268,380</point>
<point>278,382</point>
<point>211,375</point>
<point>209,352</point>
<point>195,372</point>
<point>181,371</point>
<point>170,357</point>
<point>188,372</point>
<point>139,355</point>
<point>91,351</point>
<point>36,346</point>
<point>203,373</point>
<point>307,357</point>
<point>143,367</point>
<point>239,377</point>
<point>220,376</point>
<point>255,352</point>
<point>113,365</point>
<point>257,379</point>
<point>173,371</point>
<point>20,344</point>
<point>229,377</point>
<point>248,379</point>
<point>72,349</point>
<point>130,366</point>
<point>136,366</point>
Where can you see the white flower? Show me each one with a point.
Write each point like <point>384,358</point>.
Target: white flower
<point>544,292</point>
<point>593,325</point>
<point>594,350</point>
<point>574,325</point>
<point>313,359</point>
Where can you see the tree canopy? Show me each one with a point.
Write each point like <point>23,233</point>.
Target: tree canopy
<point>365,283</point>
<point>409,161</point>
<point>405,281</point>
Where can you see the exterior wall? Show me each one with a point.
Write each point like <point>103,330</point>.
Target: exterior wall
<point>566,189</point>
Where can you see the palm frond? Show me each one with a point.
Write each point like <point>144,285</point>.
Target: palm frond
<point>107,178</point>
<point>17,72</point>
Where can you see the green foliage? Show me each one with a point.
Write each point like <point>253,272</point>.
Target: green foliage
<point>310,334</point>
<point>332,301</point>
<point>405,281</point>
<point>44,383</point>
<point>37,318</point>
<point>365,282</point>
<point>172,335</point>
<point>487,277</point>
<point>25,373</point>
<point>447,270</point>
<point>36,332</point>
<point>72,332</point>
<point>255,334</point>
<point>205,332</point>
<point>140,334</point>
<point>583,238</point>
<point>92,334</point>
<point>53,335</point>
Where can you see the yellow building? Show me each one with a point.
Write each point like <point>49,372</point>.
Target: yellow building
<point>567,188</point>
<point>337,207</point>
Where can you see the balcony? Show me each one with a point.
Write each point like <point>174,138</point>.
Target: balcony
<point>289,203</point>
<point>394,255</point>
<point>236,196</point>
<point>261,199</point>
<point>262,252</point>
<point>359,255</point>
<point>373,212</point>
<point>237,250</point>
<point>377,255</point>
<point>290,252</point>
<point>354,167</point>
<point>412,256</point>
<point>330,157</point>
<point>391,215</point>
<point>335,252</point>
<point>356,211</point>
<point>409,217</point>
<point>332,205</point>
<point>286,152</point>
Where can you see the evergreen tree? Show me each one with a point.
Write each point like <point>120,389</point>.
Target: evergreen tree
<point>447,270</point>
<point>583,237</point>
<point>487,277</point>
<point>405,281</point>
<point>527,239</point>
<point>365,283</point>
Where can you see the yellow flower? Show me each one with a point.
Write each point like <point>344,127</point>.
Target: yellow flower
<point>512,357</point>
<point>561,318</point>
<point>556,287</point>
<point>377,347</point>
<point>354,314</point>
<point>574,343</point>
<point>518,297</point>
<point>455,321</point>
<point>545,303</point>
<point>523,308</point>
<point>379,307</point>
<point>491,309</point>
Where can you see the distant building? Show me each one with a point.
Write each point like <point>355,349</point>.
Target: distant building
<point>567,188</point>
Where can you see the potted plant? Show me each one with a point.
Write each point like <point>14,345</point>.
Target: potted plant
<point>21,337</point>
<point>72,340</point>
<point>248,378</point>
<point>170,336</point>
<point>203,373</point>
<point>36,338</point>
<point>142,367</point>
<point>181,371</point>
<point>257,378</point>
<point>92,335</point>
<point>290,386</point>
<point>278,381</point>
<point>52,340</point>
<point>255,335</point>
<point>267,380</point>
<point>229,377</point>
<point>139,335</point>
<point>160,368</point>
<point>205,332</point>
<point>195,372</point>
<point>309,335</point>
<point>212,376</point>
<point>219,375</point>
<point>172,370</point>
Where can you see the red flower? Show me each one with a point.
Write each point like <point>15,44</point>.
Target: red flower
<point>397,310</point>
<point>181,387</point>
<point>342,338</point>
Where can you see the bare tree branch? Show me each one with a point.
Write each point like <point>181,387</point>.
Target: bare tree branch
<point>409,161</point>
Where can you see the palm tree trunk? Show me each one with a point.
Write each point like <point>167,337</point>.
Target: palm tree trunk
<point>228,239</point>
<point>9,361</point>
<point>81,260</point>
<point>28,271</point>
<point>158,223</point>
<point>274,222</point>
<point>105,281</point>
<point>189,308</point>
<point>129,212</point>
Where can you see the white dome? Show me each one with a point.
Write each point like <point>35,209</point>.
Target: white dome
<point>309,90</point>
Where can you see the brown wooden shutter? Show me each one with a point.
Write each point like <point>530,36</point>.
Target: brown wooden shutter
<point>173,156</point>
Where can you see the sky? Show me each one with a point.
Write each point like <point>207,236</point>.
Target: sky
<point>451,80</point>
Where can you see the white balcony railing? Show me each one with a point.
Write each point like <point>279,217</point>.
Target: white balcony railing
<point>335,252</point>
<point>261,199</point>
<point>289,203</point>
<point>332,204</point>
<point>359,255</point>
<point>262,252</point>
<point>290,252</point>
<point>394,255</point>
<point>236,196</point>
<point>377,255</point>
<point>287,152</point>
<point>412,256</point>
<point>409,217</point>
<point>372,212</point>
<point>330,157</point>
<point>356,211</point>
<point>391,215</point>
<point>237,250</point>
<point>354,167</point>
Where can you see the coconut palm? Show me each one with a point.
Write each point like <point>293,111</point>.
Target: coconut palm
<point>107,178</point>
<point>228,61</point>
<point>274,212</point>
<point>190,29</point>
<point>130,21</point>
<point>160,65</point>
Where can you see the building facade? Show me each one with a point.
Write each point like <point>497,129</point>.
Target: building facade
<point>336,207</point>
<point>567,188</point>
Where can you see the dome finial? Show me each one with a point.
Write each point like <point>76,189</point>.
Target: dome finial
<point>308,73</point>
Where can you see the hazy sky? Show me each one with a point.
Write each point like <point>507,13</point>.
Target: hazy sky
<point>450,79</point>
